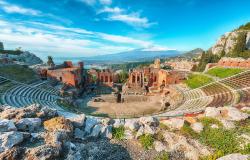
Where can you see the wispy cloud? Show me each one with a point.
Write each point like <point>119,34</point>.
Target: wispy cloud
<point>49,39</point>
<point>10,8</point>
<point>110,10</point>
<point>106,2</point>
<point>133,19</point>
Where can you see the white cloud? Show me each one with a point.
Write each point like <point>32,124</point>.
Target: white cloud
<point>111,10</point>
<point>9,8</point>
<point>106,2</point>
<point>89,2</point>
<point>47,39</point>
<point>125,40</point>
<point>133,19</point>
<point>156,48</point>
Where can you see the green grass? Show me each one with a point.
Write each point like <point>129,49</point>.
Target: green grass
<point>186,130</point>
<point>220,139</point>
<point>223,72</point>
<point>18,73</point>
<point>118,133</point>
<point>146,141</point>
<point>162,156</point>
<point>208,121</point>
<point>197,80</point>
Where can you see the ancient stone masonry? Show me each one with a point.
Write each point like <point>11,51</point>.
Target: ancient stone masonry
<point>104,77</point>
<point>150,78</point>
<point>67,73</point>
<point>234,62</point>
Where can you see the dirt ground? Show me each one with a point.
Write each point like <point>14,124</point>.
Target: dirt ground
<point>137,106</point>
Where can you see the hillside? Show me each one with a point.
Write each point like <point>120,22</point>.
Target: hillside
<point>234,44</point>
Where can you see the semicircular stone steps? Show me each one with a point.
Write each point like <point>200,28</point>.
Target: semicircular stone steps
<point>24,95</point>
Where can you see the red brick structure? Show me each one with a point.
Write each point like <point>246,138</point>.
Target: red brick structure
<point>104,77</point>
<point>153,78</point>
<point>234,62</point>
<point>67,73</point>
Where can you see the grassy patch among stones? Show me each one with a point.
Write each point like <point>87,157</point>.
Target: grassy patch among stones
<point>118,133</point>
<point>223,72</point>
<point>197,80</point>
<point>146,141</point>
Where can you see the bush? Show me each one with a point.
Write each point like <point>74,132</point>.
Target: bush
<point>163,126</point>
<point>214,156</point>
<point>188,131</point>
<point>159,136</point>
<point>162,156</point>
<point>220,139</point>
<point>224,72</point>
<point>197,80</point>
<point>118,133</point>
<point>146,141</point>
<point>246,149</point>
<point>208,121</point>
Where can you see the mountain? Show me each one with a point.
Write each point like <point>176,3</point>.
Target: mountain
<point>193,53</point>
<point>129,56</point>
<point>234,44</point>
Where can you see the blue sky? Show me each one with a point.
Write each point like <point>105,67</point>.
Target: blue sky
<point>72,28</point>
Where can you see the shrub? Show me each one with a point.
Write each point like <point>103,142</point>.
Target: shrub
<point>224,72</point>
<point>246,149</point>
<point>146,141</point>
<point>159,136</point>
<point>213,156</point>
<point>208,121</point>
<point>220,139</point>
<point>163,126</point>
<point>162,156</point>
<point>118,133</point>
<point>188,131</point>
<point>197,80</point>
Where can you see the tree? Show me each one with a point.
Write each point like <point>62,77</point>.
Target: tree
<point>1,46</point>
<point>123,76</point>
<point>50,61</point>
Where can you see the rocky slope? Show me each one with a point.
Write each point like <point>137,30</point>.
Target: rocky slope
<point>37,132</point>
<point>227,42</point>
<point>27,58</point>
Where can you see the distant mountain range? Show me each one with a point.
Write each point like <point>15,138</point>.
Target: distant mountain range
<point>129,56</point>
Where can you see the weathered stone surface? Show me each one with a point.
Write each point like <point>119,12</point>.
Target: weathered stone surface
<point>44,152</point>
<point>56,138</point>
<point>248,41</point>
<point>10,139</point>
<point>106,131</point>
<point>128,134</point>
<point>15,153</point>
<point>96,130</point>
<point>132,124</point>
<point>245,108</point>
<point>28,124</point>
<point>90,123</point>
<point>151,121</point>
<point>106,121</point>
<point>47,113</point>
<point>159,146</point>
<point>235,156</point>
<point>79,134</point>
<point>227,124</point>
<point>234,114</point>
<point>7,125</point>
<point>149,130</point>
<point>118,123</point>
<point>197,127</point>
<point>78,121</point>
<point>191,150</point>
<point>139,132</point>
<point>175,123</point>
<point>58,124</point>
<point>212,112</point>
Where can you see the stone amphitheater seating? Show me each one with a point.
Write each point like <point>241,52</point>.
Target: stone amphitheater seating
<point>219,93</point>
<point>24,95</point>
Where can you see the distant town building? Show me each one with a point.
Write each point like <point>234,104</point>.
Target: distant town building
<point>182,65</point>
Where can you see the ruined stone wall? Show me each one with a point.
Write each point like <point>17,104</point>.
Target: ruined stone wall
<point>234,62</point>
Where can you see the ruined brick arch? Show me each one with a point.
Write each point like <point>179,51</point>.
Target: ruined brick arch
<point>106,79</point>
<point>102,79</point>
<point>111,79</point>
<point>133,79</point>
<point>155,78</point>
